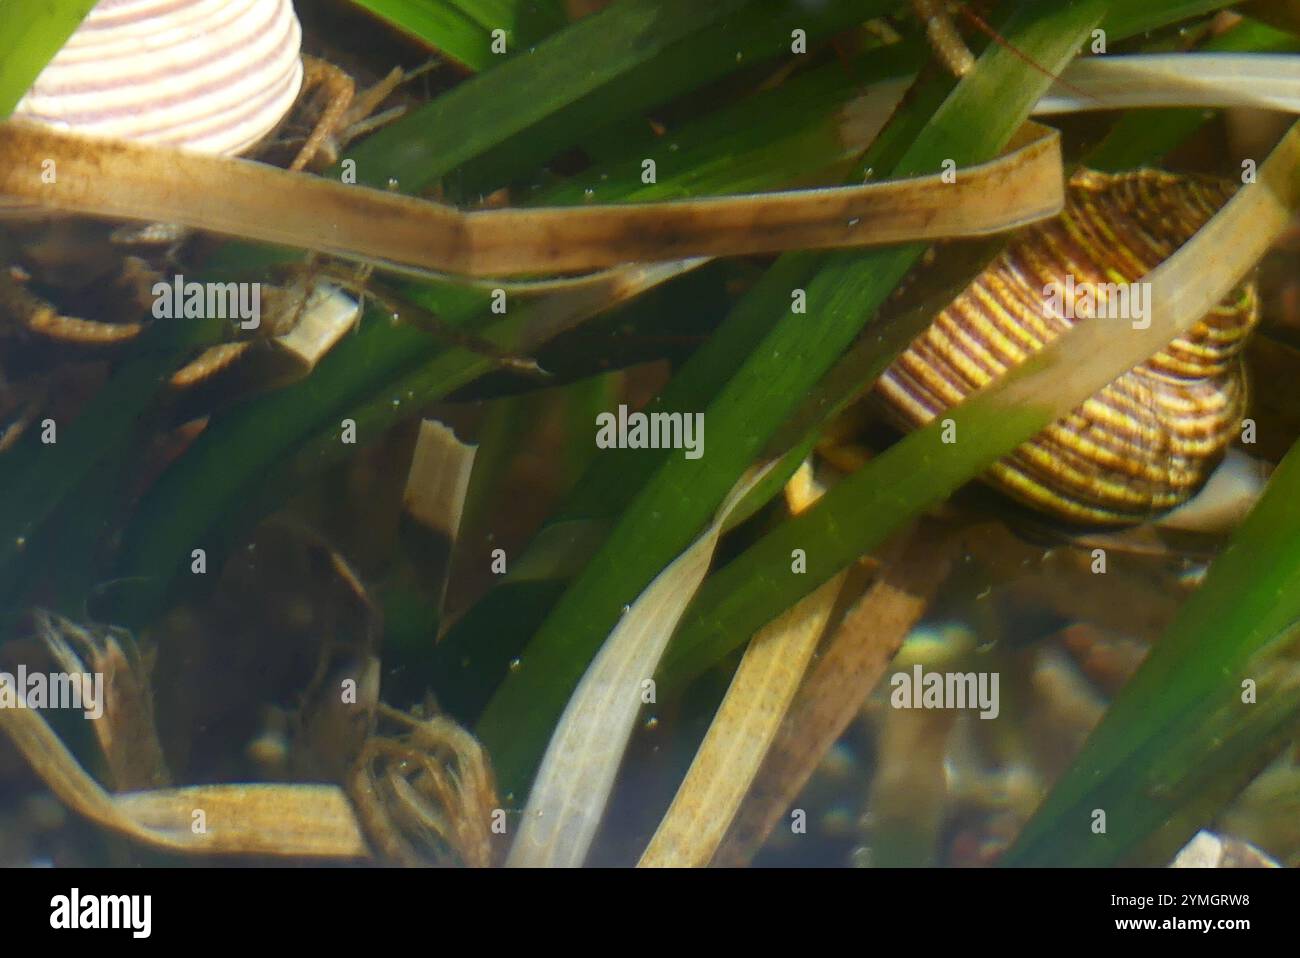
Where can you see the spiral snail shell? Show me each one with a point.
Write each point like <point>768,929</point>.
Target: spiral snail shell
<point>1149,440</point>
<point>208,75</point>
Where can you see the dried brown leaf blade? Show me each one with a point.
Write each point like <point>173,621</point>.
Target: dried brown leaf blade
<point>243,198</point>
<point>577,773</point>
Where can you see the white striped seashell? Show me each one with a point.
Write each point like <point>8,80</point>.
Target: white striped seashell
<point>208,75</point>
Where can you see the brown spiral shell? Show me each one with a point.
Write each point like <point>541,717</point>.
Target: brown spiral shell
<point>1146,442</point>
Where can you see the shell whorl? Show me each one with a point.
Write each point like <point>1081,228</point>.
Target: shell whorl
<point>1147,441</point>
<point>208,75</point>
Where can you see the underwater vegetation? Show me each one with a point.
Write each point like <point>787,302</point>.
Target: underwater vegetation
<point>537,433</point>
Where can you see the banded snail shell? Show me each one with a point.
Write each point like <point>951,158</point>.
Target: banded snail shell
<point>1149,440</point>
<point>208,75</point>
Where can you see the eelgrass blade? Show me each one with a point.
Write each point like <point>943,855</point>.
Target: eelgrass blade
<point>853,659</point>
<point>149,183</point>
<point>34,31</point>
<point>181,508</point>
<point>920,470</point>
<point>442,26</point>
<point>36,476</point>
<point>305,821</point>
<point>747,721</point>
<point>681,494</point>
<point>525,92</point>
<point>1259,80</point>
<point>463,31</point>
<point>366,364</point>
<point>577,774</point>
<point>1184,724</point>
<point>405,371</point>
<point>1142,137</point>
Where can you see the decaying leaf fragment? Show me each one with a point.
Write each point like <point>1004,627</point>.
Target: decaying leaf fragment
<point>131,181</point>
